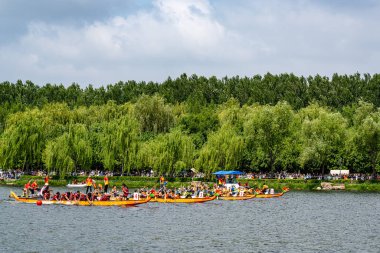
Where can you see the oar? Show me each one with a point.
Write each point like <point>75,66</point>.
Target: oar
<point>89,201</point>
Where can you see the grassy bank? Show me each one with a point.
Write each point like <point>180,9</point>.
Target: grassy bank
<point>138,182</point>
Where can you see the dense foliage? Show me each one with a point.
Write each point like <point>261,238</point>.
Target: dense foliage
<point>267,123</point>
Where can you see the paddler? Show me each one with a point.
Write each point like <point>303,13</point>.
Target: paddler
<point>26,189</point>
<point>106,182</point>
<point>162,181</point>
<point>88,184</point>
<point>47,179</point>
<point>114,191</point>
<point>33,187</point>
<point>265,189</point>
<point>56,196</point>
<point>125,190</point>
<point>46,192</point>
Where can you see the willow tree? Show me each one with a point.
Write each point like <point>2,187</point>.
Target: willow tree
<point>230,113</point>
<point>323,136</point>
<point>223,150</point>
<point>168,153</point>
<point>24,139</point>
<point>366,137</point>
<point>119,142</point>
<point>267,131</point>
<point>153,114</point>
<point>70,151</point>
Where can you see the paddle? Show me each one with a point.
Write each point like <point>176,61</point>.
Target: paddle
<point>89,201</point>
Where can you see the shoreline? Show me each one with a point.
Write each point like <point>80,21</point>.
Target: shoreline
<point>153,182</point>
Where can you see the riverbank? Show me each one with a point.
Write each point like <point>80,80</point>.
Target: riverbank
<point>139,182</point>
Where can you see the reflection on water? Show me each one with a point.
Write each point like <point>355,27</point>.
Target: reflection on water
<point>296,222</point>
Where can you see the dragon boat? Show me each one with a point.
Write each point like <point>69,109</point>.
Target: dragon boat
<point>80,202</point>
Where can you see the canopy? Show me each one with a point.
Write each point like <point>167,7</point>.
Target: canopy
<point>228,172</point>
<point>339,172</point>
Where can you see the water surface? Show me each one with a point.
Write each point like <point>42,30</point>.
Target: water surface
<point>296,222</point>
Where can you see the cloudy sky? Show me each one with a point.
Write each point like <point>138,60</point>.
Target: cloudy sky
<point>101,42</point>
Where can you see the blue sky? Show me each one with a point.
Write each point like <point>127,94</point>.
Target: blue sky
<point>102,42</point>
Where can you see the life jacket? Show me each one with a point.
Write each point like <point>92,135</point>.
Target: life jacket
<point>105,197</point>
<point>105,180</point>
<point>125,191</point>
<point>89,182</point>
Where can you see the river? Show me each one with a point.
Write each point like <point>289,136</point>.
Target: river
<point>296,222</point>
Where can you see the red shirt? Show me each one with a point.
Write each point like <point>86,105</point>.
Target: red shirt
<point>34,185</point>
<point>125,191</point>
<point>46,179</point>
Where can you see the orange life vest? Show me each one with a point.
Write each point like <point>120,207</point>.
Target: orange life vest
<point>89,182</point>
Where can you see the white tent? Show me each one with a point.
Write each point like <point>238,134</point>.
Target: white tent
<point>339,172</point>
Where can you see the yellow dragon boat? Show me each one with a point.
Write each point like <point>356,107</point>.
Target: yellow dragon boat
<point>183,200</point>
<point>80,203</point>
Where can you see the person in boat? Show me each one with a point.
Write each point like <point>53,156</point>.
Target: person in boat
<point>106,182</point>
<point>46,192</point>
<point>89,183</point>
<point>75,196</point>
<point>114,192</point>
<point>162,181</point>
<point>265,189</point>
<point>125,191</point>
<point>33,187</point>
<point>46,179</point>
<point>153,193</point>
<point>83,197</point>
<point>143,193</point>
<point>105,197</point>
<point>27,188</point>
<point>56,196</point>
<point>65,196</point>
<point>100,188</point>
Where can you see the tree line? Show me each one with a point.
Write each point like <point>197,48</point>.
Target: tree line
<point>153,132</point>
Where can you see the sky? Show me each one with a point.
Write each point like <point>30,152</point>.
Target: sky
<point>102,42</point>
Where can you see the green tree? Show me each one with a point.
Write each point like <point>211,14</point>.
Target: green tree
<point>323,135</point>
<point>70,151</point>
<point>168,153</point>
<point>366,137</point>
<point>223,150</point>
<point>119,143</point>
<point>267,130</point>
<point>153,114</point>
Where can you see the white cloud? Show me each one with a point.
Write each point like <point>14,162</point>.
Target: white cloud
<point>196,36</point>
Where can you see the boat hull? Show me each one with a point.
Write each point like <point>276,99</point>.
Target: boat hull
<point>236,197</point>
<point>183,200</point>
<point>76,185</point>
<point>81,203</point>
<point>267,196</point>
